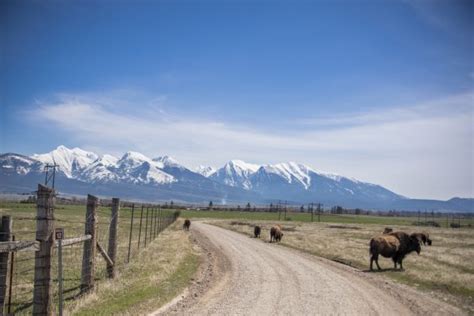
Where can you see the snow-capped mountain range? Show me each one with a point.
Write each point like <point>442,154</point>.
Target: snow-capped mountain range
<point>140,177</point>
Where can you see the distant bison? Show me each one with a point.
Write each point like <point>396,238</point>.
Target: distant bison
<point>387,230</point>
<point>275,233</point>
<point>256,231</point>
<point>395,245</point>
<point>423,237</point>
<point>187,224</point>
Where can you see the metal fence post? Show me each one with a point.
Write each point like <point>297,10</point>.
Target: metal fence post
<point>140,229</point>
<point>146,224</point>
<point>113,232</point>
<point>130,237</point>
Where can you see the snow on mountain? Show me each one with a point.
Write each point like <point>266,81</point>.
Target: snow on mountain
<point>288,180</point>
<point>101,170</point>
<point>168,161</point>
<point>292,172</point>
<point>71,161</point>
<point>19,164</point>
<point>205,170</point>
<point>137,168</point>
<point>235,173</point>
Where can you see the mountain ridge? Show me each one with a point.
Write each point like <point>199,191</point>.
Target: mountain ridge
<point>237,181</point>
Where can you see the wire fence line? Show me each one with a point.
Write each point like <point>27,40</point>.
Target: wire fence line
<point>97,243</point>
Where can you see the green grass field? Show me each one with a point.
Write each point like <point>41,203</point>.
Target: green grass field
<point>71,218</point>
<point>325,218</point>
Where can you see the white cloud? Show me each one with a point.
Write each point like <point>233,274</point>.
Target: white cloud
<point>421,151</point>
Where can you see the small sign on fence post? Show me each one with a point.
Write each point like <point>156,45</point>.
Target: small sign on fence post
<point>59,236</point>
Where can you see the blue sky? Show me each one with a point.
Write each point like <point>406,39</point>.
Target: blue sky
<point>377,90</point>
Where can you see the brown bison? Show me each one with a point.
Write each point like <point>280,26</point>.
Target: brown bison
<point>423,238</point>
<point>275,233</point>
<point>387,230</point>
<point>256,231</point>
<point>187,224</point>
<point>395,245</point>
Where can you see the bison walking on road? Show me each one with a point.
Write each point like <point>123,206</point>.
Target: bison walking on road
<point>394,245</point>
<point>275,233</point>
<point>187,224</point>
<point>256,231</point>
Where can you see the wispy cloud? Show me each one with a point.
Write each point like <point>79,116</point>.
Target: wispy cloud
<point>423,150</point>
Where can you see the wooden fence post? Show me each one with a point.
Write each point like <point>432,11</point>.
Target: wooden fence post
<point>42,294</point>
<point>89,253</point>
<point>5,231</point>
<point>113,232</point>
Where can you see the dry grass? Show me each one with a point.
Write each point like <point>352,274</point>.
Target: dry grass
<point>445,269</point>
<point>160,273</point>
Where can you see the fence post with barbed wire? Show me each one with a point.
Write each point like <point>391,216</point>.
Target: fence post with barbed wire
<point>42,293</point>
<point>113,232</point>
<point>5,235</point>
<point>89,252</point>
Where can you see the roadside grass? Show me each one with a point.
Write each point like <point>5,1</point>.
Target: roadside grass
<point>444,270</point>
<point>71,218</point>
<point>160,273</point>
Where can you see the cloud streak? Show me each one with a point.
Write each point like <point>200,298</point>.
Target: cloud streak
<point>421,151</point>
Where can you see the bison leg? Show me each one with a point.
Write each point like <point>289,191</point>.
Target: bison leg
<point>401,264</point>
<point>376,259</point>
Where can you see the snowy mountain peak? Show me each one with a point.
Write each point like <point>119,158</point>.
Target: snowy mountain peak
<point>167,161</point>
<point>70,161</point>
<point>108,160</point>
<point>134,156</point>
<point>205,170</point>
<point>242,165</point>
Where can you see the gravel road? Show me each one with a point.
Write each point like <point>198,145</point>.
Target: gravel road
<point>254,277</point>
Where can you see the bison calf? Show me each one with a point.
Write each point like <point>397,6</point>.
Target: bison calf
<point>187,224</point>
<point>394,245</point>
<point>275,233</point>
<point>256,231</point>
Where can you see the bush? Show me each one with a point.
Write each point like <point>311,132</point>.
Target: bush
<point>455,225</point>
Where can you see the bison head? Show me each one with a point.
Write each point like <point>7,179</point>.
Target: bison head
<point>414,245</point>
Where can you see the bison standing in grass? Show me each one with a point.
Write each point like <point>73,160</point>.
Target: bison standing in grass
<point>256,231</point>
<point>423,237</point>
<point>275,233</point>
<point>394,245</point>
<point>187,224</point>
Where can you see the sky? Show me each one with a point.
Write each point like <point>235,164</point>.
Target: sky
<point>381,91</point>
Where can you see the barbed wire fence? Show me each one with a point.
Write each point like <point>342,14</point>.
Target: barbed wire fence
<point>59,255</point>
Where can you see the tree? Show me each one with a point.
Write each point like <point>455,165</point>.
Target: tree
<point>247,208</point>
<point>210,205</point>
<point>302,208</point>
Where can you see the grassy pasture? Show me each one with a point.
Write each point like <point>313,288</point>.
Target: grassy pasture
<point>71,218</point>
<point>327,218</point>
<point>444,269</point>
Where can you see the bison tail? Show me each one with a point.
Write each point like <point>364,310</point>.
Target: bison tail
<point>372,248</point>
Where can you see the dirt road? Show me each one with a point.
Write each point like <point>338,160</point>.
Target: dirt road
<point>254,277</point>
